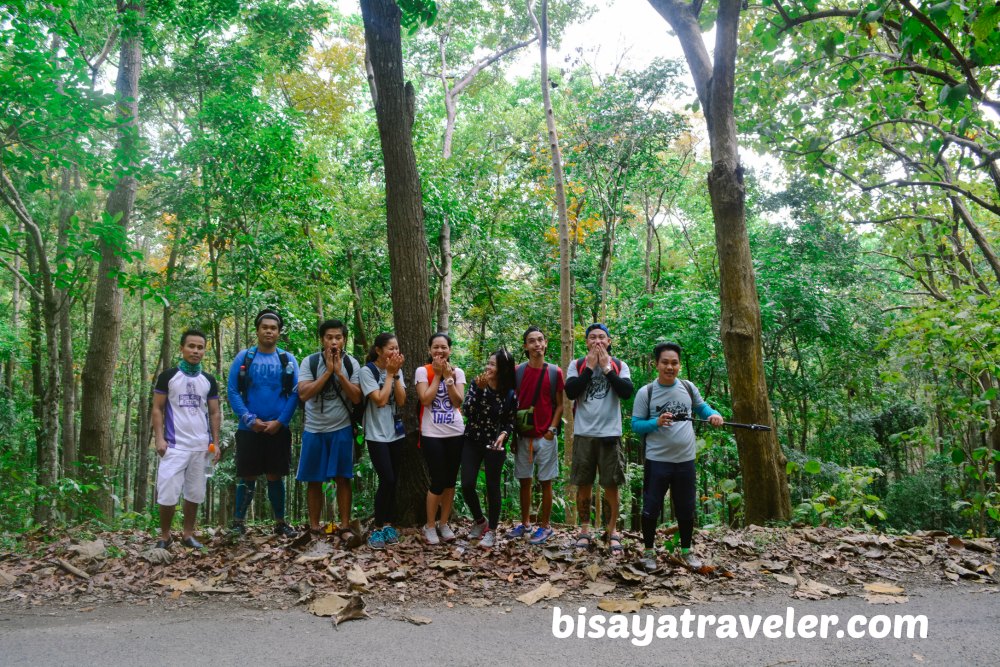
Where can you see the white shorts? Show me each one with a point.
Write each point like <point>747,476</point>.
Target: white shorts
<point>537,453</point>
<point>181,470</point>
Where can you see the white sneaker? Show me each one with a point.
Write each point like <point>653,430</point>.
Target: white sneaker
<point>478,530</point>
<point>489,540</point>
<point>431,535</point>
<point>447,534</point>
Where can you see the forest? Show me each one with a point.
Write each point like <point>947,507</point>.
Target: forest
<point>807,198</point>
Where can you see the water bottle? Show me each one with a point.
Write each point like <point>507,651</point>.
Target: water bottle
<point>209,461</point>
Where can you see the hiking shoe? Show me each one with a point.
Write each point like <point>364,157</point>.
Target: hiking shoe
<point>376,540</point>
<point>284,530</point>
<point>390,536</point>
<point>691,560</point>
<point>431,535</point>
<point>479,529</point>
<point>489,540</point>
<point>540,535</point>
<point>192,543</point>
<point>239,529</point>
<point>520,530</point>
<point>447,534</point>
<point>648,561</point>
<point>164,544</point>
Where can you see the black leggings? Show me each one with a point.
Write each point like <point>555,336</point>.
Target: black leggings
<point>472,461</point>
<point>387,460</point>
<point>680,478</point>
<point>444,457</point>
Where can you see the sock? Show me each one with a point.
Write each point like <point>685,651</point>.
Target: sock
<point>244,497</point>
<point>648,531</point>
<point>686,528</point>
<point>276,494</point>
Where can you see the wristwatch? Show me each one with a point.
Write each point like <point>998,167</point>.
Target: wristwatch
<point>449,382</point>
<point>551,429</point>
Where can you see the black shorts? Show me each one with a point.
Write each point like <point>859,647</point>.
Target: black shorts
<point>262,454</point>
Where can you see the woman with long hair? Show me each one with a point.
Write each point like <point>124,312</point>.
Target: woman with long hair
<point>490,411</point>
<point>383,388</point>
<point>441,390</point>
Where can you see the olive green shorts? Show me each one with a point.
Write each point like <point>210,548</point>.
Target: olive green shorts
<point>593,454</point>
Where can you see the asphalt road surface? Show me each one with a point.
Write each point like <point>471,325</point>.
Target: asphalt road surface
<point>961,623</point>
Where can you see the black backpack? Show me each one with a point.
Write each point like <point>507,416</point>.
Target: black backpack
<point>356,412</point>
<point>243,381</point>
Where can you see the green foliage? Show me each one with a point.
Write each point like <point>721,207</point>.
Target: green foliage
<point>847,502</point>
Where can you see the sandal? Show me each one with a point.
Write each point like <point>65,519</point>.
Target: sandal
<point>615,544</point>
<point>583,542</point>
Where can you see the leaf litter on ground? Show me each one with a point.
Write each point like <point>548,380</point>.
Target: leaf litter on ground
<point>81,567</point>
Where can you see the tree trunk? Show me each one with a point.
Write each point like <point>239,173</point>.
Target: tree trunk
<point>10,366</point>
<point>145,405</point>
<point>405,226</point>
<point>444,297</point>
<point>761,460</point>
<point>102,354</point>
<point>565,277</point>
<point>67,371</point>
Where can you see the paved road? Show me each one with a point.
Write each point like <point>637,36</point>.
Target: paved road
<point>962,630</point>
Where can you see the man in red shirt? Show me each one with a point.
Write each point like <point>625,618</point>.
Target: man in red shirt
<point>539,385</point>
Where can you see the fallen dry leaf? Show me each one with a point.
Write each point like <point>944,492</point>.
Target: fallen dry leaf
<point>876,598</point>
<point>598,589</point>
<point>620,606</point>
<point>418,620</point>
<point>357,577</point>
<point>545,591</point>
<point>448,565</point>
<point>328,605</point>
<point>94,550</point>
<point>592,571</point>
<point>6,579</point>
<point>883,588</point>
<point>541,566</point>
<point>355,610</point>
<point>659,601</point>
<point>814,590</point>
<point>790,581</point>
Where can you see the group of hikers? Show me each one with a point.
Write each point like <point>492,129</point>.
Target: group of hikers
<point>464,427</point>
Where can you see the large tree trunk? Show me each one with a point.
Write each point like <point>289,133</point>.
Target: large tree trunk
<point>408,258</point>
<point>67,371</point>
<point>96,416</point>
<point>145,405</point>
<point>765,486</point>
<point>360,335</point>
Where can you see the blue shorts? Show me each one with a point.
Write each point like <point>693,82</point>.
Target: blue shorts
<point>326,455</point>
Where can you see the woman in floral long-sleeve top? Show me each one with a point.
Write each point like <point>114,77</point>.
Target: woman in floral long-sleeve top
<point>490,409</point>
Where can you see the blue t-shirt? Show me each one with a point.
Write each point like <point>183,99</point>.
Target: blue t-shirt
<point>264,397</point>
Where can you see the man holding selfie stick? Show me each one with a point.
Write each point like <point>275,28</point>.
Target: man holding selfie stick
<point>670,450</point>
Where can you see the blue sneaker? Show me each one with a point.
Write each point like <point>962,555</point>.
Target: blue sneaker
<point>376,540</point>
<point>390,536</point>
<point>519,531</point>
<point>540,535</point>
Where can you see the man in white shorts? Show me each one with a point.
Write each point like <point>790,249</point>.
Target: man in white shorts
<point>186,420</point>
<point>539,386</point>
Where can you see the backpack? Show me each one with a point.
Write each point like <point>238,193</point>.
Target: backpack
<point>616,364</point>
<point>552,373</point>
<point>525,422</point>
<point>243,381</point>
<point>356,412</point>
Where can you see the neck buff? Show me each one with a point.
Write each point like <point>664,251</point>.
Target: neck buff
<point>189,369</point>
